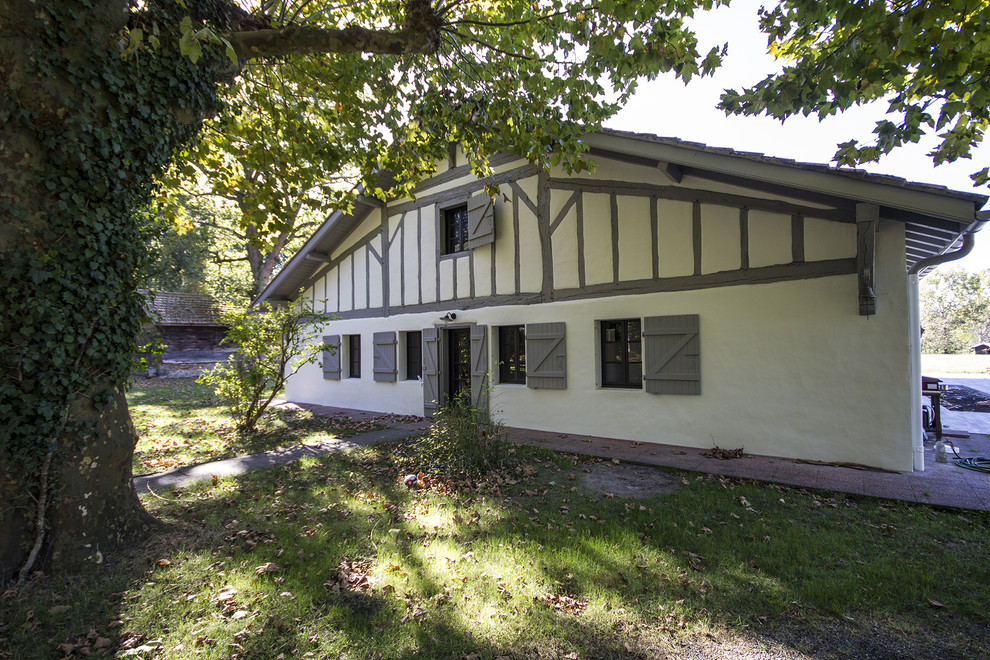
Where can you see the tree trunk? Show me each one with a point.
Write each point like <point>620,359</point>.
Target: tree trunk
<point>95,509</point>
<point>83,133</point>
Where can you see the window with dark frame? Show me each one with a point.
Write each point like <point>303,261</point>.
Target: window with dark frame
<point>414,355</point>
<point>512,354</point>
<point>455,229</point>
<point>622,354</point>
<point>354,356</point>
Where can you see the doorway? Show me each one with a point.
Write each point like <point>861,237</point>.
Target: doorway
<point>458,365</point>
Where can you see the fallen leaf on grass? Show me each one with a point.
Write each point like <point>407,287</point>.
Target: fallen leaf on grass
<point>563,603</point>
<point>935,603</point>
<point>351,575</point>
<point>267,567</point>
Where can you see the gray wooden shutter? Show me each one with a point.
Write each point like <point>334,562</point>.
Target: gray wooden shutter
<point>431,371</point>
<point>479,367</point>
<point>672,355</point>
<point>481,220</point>
<point>384,357</point>
<point>331,359</point>
<point>546,356</point>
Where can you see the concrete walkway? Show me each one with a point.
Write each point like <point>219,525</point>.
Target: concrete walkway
<point>181,477</point>
<point>941,484</point>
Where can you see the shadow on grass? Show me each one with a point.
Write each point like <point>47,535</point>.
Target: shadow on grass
<point>530,566</point>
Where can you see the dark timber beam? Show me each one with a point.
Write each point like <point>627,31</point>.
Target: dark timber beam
<point>671,172</point>
<point>867,219</point>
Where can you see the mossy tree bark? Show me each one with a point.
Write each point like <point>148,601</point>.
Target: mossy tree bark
<point>83,133</point>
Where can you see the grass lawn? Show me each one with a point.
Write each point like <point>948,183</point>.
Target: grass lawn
<point>964,363</point>
<point>334,558</point>
<point>180,422</point>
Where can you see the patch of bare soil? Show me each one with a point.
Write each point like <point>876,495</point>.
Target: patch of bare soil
<point>626,480</point>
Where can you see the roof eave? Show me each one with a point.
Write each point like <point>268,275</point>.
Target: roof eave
<point>959,207</point>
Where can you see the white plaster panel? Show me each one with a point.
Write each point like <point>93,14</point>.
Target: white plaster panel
<point>720,243</point>
<point>411,262</point>
<point>483,270</point>
<point>463,266</point>
<point>530,186</point>
<point>675,238</point>
<point>446,279</point>
<point>467,178</point>
<point>530,255</point>
<point>825,239</point>
<point>635,238</point>
<point>428,253</point>
<point>333,305</point>
<point>395,274</point>
<point>375,288</point>
<point>505,260</point>
<point>558,199</point>
<point>616,170</point>
<point>597,238</point>
<point>700,183</point>
<point>362,261</point>
<point>565,252</point>
<point>317,293</point>
<point>788,369</point>
<point>372,223</point>
<point>344,270</point>
<point>769,239</point>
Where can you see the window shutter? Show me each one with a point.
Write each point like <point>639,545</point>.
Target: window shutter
<point>546,357</point>
<point>672,354</point>
<point>385,357</point>
<point>479,367</point>
<point>481,221</point>
<point>431,372</point>
<point>331,359</point>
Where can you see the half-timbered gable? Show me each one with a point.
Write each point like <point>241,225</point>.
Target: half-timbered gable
<point>679,294</point>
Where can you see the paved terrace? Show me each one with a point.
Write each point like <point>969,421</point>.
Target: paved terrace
<point>941,484</point>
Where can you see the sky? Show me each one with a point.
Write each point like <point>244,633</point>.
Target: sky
<point>669,108</point>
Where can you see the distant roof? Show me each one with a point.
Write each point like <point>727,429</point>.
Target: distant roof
<point>174,308</point>
<point>935,217</point>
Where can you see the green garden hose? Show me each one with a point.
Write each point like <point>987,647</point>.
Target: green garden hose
<point>980,464</point>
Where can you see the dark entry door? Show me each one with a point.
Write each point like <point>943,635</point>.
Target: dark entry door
<point>459,363</point>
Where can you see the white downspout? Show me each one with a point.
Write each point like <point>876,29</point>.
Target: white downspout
<point>914,369</point>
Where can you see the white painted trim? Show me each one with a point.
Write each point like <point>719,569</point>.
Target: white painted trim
<point>914,350</point>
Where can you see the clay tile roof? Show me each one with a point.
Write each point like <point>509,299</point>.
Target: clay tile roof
<point>173,308</point>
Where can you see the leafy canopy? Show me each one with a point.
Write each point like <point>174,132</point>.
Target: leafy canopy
<point>928,60</point>
<point>488,75</point>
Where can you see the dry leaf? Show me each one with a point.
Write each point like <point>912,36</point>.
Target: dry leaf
<point>267,567</point>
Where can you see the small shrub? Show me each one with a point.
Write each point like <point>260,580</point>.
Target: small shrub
<point>273,343</point>
<point>464,441</point>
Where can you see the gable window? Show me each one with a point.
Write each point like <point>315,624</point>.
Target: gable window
<point>622,354</point>
<point>414,355</point>
<point>455,229</point>
<point>512,354</point>
<point>354,356</point>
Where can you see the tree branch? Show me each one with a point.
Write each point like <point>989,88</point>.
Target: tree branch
<point>419,35</point>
